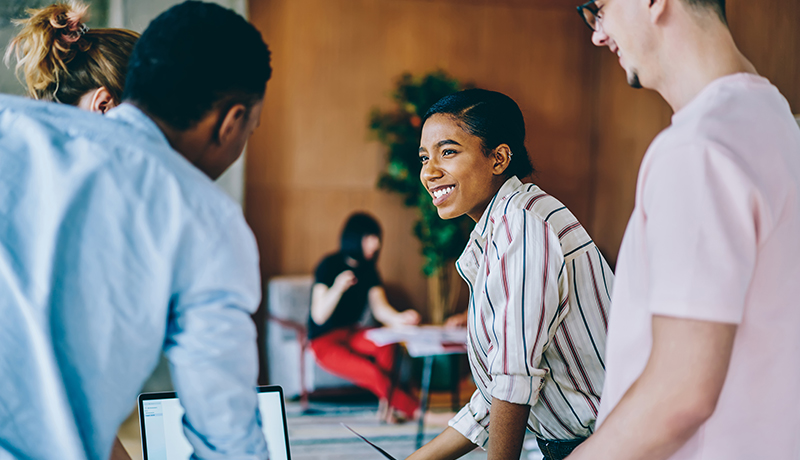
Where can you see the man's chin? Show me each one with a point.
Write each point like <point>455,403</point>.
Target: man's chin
<point>633,80</point>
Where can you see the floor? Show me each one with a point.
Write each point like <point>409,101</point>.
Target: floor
<point>318,433</point>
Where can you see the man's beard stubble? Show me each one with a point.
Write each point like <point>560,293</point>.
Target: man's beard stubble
<point>633,80</point>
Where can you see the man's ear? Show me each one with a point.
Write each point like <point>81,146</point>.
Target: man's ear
<point>231,122</point>
<point>657,9</point>
<point>102,101</point>
<point>502,158</point>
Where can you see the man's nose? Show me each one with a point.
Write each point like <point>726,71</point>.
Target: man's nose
<point>599,37</point>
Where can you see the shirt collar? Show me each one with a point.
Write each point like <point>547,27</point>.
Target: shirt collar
<point>132,115</point>
<point>712,88</point>
<point>485,224</point>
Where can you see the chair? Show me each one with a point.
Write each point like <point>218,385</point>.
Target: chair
<point>290,359</point>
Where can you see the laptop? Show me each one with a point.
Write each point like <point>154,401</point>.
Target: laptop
<point>161,425</point>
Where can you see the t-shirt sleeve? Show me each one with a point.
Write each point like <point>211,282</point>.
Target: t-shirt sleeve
<point>373,278</point>
<point>326,272</point>
<point>701,212</point>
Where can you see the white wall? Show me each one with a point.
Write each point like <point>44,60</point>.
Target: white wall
<point>12,9</point>
<point>129,14</point>
<point>135,15</point>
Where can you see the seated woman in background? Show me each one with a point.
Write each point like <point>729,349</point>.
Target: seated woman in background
<point>345,283</point>
<point>59,59</point>
<point>539,287</point>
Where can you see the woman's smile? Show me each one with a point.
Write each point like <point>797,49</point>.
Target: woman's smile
<point>441,193</point>
<point>456,170</point>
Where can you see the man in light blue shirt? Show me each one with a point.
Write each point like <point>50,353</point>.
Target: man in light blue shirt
<point>116,244</point>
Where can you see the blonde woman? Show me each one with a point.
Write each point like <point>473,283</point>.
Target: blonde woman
<point>60,59</point>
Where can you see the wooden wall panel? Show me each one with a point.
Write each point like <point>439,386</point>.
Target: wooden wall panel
<point>768,33</point>
<point>311,163</point>
<point>627,120</point>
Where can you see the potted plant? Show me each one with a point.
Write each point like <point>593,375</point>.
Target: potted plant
<point>399,129</point>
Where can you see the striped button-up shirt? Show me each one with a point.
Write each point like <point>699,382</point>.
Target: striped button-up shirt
<point>538,313</point>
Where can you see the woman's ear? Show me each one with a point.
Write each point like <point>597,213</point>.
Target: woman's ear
<point>101,101</point>
<point>502,158</point>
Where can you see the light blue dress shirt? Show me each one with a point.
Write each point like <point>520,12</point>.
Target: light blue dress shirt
<point>112,248</point>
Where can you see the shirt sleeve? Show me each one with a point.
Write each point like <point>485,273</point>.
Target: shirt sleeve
<point>472,421</point>
<point>211,338</point>
<point>524,286</point>
<point>373,278</point>
<point>702,212</point>
<point>325,272</point>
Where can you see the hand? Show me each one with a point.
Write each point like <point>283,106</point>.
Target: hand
<point>407,318</point>
<point>345,280</point>
<point>456,321</point>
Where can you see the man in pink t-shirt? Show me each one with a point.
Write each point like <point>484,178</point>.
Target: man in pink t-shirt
<point>703,354</point>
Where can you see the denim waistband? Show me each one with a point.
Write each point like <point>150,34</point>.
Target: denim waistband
<point>558,450</point>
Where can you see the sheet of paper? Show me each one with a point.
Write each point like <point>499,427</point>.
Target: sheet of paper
<point>422,340</point>
<point>418,350</point>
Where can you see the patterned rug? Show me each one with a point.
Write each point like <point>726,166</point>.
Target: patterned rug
<point>317,433</point>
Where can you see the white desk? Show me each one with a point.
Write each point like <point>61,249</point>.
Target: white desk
<point>425,342</point>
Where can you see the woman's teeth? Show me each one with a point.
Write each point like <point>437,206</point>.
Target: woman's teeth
<point>442,192</point>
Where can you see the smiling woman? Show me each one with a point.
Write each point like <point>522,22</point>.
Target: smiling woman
<point>538,284</point>
<point>456,172</point>
<point>468,146</point>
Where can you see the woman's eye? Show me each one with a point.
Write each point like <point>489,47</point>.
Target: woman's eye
<point>423,158</point>
<point>448,152</point>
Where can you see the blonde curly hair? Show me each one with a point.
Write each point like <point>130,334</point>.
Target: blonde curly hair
<point>59,59</point>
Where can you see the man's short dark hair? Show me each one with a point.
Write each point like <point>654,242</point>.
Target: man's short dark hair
<point>193,58</point>
<point>718,6</point>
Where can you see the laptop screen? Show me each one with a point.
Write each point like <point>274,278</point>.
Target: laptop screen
<point>160,420</point>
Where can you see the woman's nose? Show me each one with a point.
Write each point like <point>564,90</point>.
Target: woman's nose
<point>430,171</point>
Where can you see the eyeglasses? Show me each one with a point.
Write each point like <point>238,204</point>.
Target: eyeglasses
<point>588,12</point>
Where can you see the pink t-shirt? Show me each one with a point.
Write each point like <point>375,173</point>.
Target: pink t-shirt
<point>715,235</point>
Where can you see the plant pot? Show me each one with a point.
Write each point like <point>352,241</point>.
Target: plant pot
<point>444,286</point>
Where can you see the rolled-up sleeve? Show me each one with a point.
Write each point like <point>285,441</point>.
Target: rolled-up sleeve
<point>472,421</point>
<point>526,288</point>
<point>211,339</point>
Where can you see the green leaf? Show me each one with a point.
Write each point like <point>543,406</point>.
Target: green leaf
<point>441,240</point>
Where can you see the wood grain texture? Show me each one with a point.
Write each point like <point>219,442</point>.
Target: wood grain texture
<point>627,120</point>
<point>312,162</point>
<point>768,33</point>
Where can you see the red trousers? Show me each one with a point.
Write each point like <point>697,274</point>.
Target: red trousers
<point>348,353</point>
